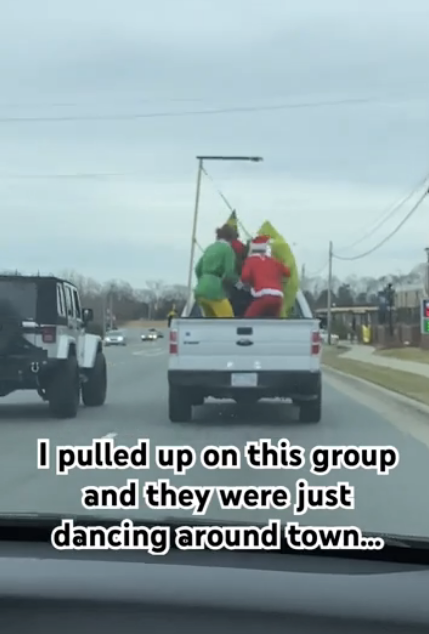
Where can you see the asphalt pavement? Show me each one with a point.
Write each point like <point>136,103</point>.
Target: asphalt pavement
<point>136,408</point>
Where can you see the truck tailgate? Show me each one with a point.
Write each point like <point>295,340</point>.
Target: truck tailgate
<point>245,344</point>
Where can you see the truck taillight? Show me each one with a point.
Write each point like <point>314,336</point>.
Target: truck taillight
<point>173,342</point>
<point>49,334</point>
<point>315,342</point>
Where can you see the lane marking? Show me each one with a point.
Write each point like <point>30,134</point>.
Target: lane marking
<point>111,435</point>
<point>149,353</point>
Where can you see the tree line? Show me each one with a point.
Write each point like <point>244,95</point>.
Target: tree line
<point>118,301</point>
<point>356,290</point>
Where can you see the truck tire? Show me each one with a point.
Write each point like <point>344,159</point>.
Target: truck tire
<point>94,390</point>
<point>311,412</point>
<point>179,405</point>
<point>64,390</point>
<point>10,326</point>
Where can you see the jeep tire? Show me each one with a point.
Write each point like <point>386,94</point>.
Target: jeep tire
<point>94,390</point>
<point>64,389</point>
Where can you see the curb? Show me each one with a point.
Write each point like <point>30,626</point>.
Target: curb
<point>399,398</point>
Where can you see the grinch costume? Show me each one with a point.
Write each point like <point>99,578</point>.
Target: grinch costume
<point>281,251</point>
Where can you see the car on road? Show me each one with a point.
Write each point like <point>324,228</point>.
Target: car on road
<point>152,334</point>
<point>115,338</point>
<point>44,345</point>
<point>246,360</point>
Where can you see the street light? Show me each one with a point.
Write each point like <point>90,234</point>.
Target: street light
<point>201,159</point>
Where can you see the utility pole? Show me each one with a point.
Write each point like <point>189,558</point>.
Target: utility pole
<point>329,295</point>
<point>111,309</point>
<point>103,313</point>
<point>194,234</point>
<point>426,277</point>
<point>303,280</point>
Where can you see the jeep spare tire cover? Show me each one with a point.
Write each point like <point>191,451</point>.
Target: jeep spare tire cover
<point>10,325</point>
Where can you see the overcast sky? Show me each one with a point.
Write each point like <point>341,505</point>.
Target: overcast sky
<point>82,75</point>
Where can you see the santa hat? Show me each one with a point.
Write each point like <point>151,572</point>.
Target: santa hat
<point>260,246</point>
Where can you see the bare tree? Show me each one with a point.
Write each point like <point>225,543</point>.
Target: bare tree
<point>155,288</point>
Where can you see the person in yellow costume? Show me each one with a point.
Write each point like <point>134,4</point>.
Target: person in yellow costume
<point>282,252</point>
<point>171,315</point>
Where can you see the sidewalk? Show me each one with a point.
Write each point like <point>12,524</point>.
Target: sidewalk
<point>365,354</point>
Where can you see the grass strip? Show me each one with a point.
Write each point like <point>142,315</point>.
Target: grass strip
<point>411,385</point>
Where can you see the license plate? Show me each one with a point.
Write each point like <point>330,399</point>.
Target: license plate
<point>244,379</point>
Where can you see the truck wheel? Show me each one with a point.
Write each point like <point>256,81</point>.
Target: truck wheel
<point>179,406</point>
<point>94,390</point>
<point>64,390</point>
<point>311,412</point>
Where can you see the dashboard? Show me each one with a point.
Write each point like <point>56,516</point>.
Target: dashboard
<point>44,590</point>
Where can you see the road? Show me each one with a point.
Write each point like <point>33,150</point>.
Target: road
<point>137,408</point>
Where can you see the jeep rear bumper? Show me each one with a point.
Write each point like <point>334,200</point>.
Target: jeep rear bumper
<point>23,367</point>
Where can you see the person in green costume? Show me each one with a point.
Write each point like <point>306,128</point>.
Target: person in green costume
<point>216,272</point>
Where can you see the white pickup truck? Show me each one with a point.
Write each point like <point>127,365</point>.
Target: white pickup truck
<point>246,360</point>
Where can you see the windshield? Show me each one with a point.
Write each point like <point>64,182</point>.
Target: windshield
<point>268,163</point>
<point>21,296</point>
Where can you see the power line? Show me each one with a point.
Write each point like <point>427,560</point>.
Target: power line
<point>70,176</point>
<point>319,271</point>
<point>186,113</point>
<point>76,104</point>
<point>387,214</point>
<point>391,234</point>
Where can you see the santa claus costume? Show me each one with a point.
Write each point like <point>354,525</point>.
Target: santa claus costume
<point>238,246</point>
<point>265,275</point>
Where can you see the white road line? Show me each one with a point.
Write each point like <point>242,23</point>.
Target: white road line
<point>111,435</point>
<point>149,353</point>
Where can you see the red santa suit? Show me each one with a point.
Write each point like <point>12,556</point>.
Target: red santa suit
<point>264,274</point>
<point>239,247</point>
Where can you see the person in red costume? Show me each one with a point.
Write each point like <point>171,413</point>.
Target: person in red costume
<point>240,251</point>
<point>264,274</point>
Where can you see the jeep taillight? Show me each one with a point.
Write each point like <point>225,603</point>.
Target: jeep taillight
<point>315,342</point>
<point>49,334</point>
<point>173,342</point>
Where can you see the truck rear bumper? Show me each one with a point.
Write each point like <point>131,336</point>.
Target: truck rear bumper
<point>296,385</point>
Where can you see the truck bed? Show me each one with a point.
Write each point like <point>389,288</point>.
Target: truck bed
<point>246,360</point>
<point>245,345</point>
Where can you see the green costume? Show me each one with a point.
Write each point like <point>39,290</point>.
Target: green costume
<point>216,265</point>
